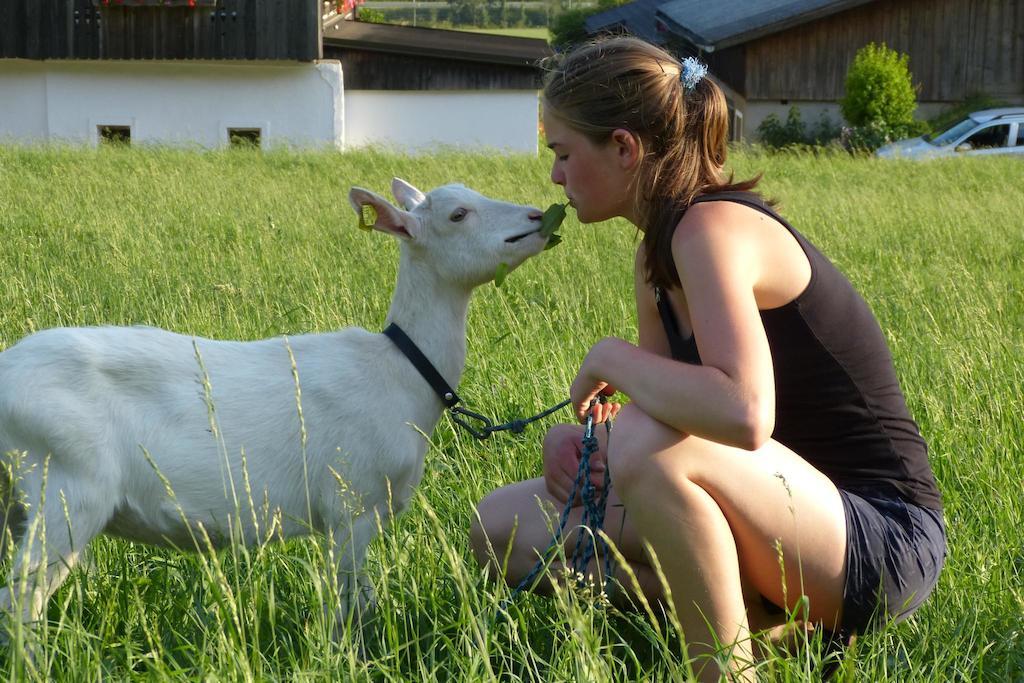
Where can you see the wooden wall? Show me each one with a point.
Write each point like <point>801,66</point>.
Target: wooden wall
<point>90,29</point>
<point>956,47</point>
<point>372,70</point>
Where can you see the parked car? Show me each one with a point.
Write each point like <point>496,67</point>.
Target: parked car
<point>992,131</point>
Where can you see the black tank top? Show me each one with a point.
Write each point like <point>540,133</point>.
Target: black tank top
<point>838,402</point>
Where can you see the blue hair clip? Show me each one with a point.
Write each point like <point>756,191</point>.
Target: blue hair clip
<point>691,72</point>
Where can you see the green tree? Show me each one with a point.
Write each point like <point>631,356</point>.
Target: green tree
<point>370,15</point>
<point>468,12</point>
<point>567,27</point>
<point>879,91</point>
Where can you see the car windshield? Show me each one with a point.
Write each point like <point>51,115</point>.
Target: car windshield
<point>952,134</point>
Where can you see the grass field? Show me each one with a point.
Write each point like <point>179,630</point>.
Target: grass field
<point>527,32</point>
<point>243,245</point>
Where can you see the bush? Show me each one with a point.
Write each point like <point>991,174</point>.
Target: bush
<point>826,131</point>
<point>879,91</point>
<point>370,15</point>
<point>869,137</point>
<point>778,135</point>
<point>880,100</point>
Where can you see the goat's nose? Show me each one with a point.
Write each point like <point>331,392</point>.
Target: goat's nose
<point>536,216</point>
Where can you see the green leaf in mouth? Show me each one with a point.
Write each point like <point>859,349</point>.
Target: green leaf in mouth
<point>550,222</point>
<point>552,219</point>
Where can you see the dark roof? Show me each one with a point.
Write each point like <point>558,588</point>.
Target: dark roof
<point>636,18</point>
<point>716,25</point>
<point>431,42</point>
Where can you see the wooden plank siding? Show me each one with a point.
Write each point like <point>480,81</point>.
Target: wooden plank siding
<point>729,65</point>
<point>371,70</point>
<point>956,48</point>
<point>232,29</point>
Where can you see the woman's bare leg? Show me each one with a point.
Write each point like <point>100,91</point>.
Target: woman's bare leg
<point>716,516</point>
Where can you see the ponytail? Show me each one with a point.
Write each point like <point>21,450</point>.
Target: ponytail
<point>694,167</point>
<point>682,124</point>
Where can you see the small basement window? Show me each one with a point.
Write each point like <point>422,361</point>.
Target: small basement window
<point>117,135</point>
<point>244,137</point>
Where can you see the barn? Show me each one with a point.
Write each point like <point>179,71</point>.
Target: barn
<point>411,87</point>
<point>213,72</point>
<point>774,54</point>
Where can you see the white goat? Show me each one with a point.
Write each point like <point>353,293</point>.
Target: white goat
<point>132,431</point>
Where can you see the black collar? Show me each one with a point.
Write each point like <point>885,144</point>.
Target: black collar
<point>420,362</point>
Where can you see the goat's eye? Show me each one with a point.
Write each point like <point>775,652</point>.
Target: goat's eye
<point>457,215</point>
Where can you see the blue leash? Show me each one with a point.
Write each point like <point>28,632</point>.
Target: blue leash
<point>593,511</point>
<point>593,519</point>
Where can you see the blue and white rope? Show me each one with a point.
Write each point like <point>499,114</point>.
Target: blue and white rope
<point>588,536</point>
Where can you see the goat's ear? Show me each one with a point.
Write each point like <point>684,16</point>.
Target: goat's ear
<point>408,196</point>
<point>384,217</point>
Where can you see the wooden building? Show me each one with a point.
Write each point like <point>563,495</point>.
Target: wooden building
<point>213,71</point>
<point>411,87</point>
<point>160,29</point>
<point>385,57</point>
<point>773,54</point>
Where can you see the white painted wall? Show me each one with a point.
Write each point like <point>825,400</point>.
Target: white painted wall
<point>419,121</point>
<point>172,102</point>
<point>22,102</point>
<point>297,104</point>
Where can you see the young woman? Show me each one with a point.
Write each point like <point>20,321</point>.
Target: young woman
<point>765,415</point>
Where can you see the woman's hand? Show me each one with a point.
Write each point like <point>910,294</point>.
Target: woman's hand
<point>562,452</point>
<point>591,382</point>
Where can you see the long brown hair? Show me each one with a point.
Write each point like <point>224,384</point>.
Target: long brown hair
<point>627,83</point>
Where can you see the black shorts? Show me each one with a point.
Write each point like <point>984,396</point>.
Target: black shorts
<point>894,553</point>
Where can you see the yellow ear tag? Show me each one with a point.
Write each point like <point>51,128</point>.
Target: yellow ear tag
<point>367,217</point>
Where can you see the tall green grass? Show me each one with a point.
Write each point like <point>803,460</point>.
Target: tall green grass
<point>244,245</point>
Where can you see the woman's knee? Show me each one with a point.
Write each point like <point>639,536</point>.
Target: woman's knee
<point>487,530</point>
<point>511,527</point>
<point>635,439</point>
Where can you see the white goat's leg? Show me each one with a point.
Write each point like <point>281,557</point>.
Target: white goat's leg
<point>351,539</point>
<point>12,516</point>
<point>51,542</point>
<point>12,500</point>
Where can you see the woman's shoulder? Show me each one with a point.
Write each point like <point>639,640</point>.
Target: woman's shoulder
<point>744,200</point>
<point>718,237</point>
<point>748,242</point>
<point>722,217</point>
<point>736,196</point>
